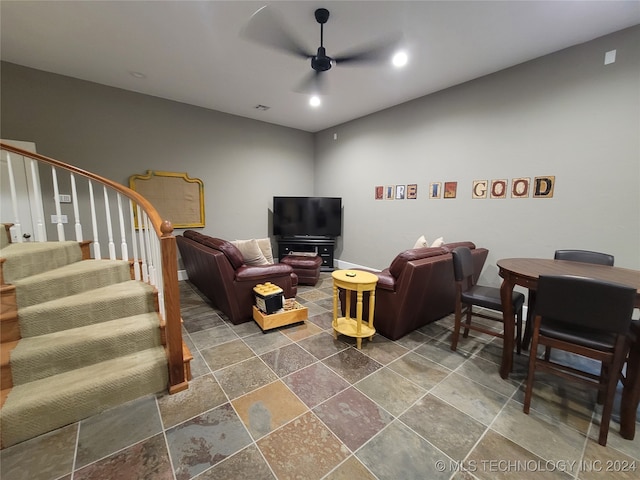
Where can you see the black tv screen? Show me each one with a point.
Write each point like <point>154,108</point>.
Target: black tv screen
<point>307,216</point>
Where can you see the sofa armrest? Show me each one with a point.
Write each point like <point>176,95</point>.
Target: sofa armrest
<point>386,281</point>
<point>262,272</point>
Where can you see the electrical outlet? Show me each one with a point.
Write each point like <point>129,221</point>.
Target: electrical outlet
<point>63,219</point>
<point>65,198</point>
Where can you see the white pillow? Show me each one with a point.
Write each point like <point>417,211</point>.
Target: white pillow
<point>251,252</point>
<point>438,242</point>
<point>265,248</point>
<point>421,243</point>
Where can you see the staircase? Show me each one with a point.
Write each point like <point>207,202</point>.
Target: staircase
<point>90,338</point>
<point>80,333</point>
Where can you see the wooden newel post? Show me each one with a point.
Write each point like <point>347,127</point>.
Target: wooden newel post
<point>173,327</point>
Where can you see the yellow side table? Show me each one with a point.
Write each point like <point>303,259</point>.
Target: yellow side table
<point>359,282</point>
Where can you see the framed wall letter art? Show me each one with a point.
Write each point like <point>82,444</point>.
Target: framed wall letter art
<point>480,188</point>
<point>400,192</point>
<point>543,187</point>
<point>412,191</point>
<point>450,189</point>
<point>390,192</point>
<point>499,188</point>
<point>434,190</point>
<point>520,187</point>
<point>379,192</point>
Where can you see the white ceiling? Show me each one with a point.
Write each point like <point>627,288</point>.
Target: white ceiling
<point>192,51</point>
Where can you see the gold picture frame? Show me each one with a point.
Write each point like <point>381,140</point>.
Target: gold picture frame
<point>176,196</point>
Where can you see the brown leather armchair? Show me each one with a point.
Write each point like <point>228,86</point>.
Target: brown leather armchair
<point>217,269</point>
<point>417,289</point>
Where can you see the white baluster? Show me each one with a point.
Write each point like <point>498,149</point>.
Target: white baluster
<point>134,243</point>
<point>56,200</point>
<point>17,228</point>
<point>107,209</point>
<point>150,259</point>
<point>145,265</point>
<point>94,224</point>
<point>123,239</point>
<point>41,234</point>
<point>76,211</point>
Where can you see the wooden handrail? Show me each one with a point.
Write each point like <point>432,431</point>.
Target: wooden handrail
<point>153,214</point>
<point>168,254</point>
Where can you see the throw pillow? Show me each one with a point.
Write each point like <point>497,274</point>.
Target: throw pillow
<point>265,248</point>
<point>251,252</point>
<point>421,243</point>
<point>438,242</point>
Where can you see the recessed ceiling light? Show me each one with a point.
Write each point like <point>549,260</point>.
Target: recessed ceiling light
<point>137,74</point>
<point>400,59</point>
<point>315,101</point>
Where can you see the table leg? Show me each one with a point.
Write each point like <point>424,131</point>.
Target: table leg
<point>372,306</point>
<point>359,318</point>
<point>631,392</point>
<point>334,324</point>
<point>528,330</point>
<point>506,293</point>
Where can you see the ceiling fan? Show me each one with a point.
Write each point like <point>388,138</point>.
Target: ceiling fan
<point>265,28</point>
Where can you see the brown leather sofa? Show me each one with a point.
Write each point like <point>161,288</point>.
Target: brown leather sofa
<point>217,269</point>
<point>417,289</point>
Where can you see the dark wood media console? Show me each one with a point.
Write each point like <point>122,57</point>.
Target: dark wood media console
<point>323,246</point>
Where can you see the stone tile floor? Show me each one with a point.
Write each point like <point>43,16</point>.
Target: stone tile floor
<point>295,403</point>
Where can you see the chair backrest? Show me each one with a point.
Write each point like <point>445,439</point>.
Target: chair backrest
<point>586,302</point>
<point>462,263</point>
<point>584,256</point>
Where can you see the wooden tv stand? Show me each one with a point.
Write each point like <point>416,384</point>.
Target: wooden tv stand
<point>323,246</point>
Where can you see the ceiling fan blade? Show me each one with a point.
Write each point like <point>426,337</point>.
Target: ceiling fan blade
<point>376,52</point>
<point>313,84</point>
<point>265,28</point>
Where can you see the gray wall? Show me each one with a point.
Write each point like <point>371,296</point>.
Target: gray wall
<point>116,133</point>
<point>565,114</point>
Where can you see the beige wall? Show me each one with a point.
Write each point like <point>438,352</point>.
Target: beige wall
<point>565,114</point>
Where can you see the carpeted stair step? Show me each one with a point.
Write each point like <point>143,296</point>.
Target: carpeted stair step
<point>119,300</point>
<point>69,280</point>
<point>31,258</point>
<point>41,406</point>
<point>47,355</point>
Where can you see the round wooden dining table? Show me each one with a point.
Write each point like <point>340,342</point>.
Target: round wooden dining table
<point>526,271</point>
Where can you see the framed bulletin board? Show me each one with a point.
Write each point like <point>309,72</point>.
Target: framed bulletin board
<point>177,197</point>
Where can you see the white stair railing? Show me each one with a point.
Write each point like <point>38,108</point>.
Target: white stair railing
<point>144,233</point>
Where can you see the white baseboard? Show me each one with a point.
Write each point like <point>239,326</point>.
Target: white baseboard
<point>342,265</point>
<point>182,275</point>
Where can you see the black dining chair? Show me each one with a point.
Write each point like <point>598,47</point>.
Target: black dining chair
<point>631,381</point>
<point>469,295</point>
<point>586,317</point>
<point>584,256</point>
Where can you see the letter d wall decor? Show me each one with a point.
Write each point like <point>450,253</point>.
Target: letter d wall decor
<point>543,187</point>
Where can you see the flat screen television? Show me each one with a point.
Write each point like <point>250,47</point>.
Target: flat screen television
<point>307,216</point>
